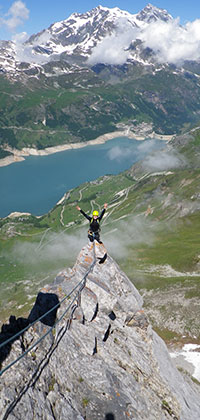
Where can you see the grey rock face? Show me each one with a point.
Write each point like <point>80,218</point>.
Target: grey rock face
<point>108,364</point>
<point>152,14</point>
<point>72,39</point>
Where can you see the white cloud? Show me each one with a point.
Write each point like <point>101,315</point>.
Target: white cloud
<point>152,159</point>
<point>20,38</point>
<point>147,146</point>
<point>15,16</point>
<point>112,50</point>
<point>163,160</point>
<point>118,153</point>
<point>56,247</point>
<point>43,38</point>
<point>136,151</point>
<point>109,51</point>
<point>25,53</point>
<point>170,42</point>
<point>135,230</point>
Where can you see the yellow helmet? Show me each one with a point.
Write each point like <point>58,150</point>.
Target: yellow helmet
<point>95,213</point>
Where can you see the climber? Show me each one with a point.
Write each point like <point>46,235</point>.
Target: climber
<point>93,232</point>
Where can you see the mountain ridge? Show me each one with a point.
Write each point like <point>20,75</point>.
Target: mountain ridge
<point>86,29</point>
<point>158,198</point>
<point>108,361</point>
<point>67,85</point>
<point>151,226</point>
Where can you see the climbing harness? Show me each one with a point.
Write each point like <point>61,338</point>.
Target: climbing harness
<point>92,233</point>
<point>96,232</point>
<point>96,220</point>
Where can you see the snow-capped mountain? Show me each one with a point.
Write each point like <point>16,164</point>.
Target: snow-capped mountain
<point>80,33</point>
<point>75,39</point>
<point>84,76</point>
<point>7,56</point>
<point>151,14</point>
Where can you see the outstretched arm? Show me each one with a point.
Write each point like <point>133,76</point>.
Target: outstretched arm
<point>103,211</point>
<point>84,214</point>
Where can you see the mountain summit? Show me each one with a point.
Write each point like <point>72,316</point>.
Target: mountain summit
<point>74,38</point>
<point>95,73</point>
<point>80,33</point>
<point>109,364</point>
<point>152,13</point>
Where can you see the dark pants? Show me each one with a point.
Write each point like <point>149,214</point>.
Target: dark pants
<point>94,235</point>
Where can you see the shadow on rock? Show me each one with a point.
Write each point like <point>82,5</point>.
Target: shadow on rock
<point>109,416</point>
<point>8,331</point>
<point>44,303</point>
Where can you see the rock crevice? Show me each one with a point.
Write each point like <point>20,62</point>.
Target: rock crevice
<point>110,361</point>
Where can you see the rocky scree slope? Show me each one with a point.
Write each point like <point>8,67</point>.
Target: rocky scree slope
<point>110,361</point>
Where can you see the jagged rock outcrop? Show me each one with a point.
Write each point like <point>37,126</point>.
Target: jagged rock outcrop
<point>109,364</point>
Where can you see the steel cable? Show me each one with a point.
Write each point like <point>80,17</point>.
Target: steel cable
<point>81,286</point>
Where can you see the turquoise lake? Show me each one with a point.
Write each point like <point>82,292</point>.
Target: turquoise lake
<point>36,184</point>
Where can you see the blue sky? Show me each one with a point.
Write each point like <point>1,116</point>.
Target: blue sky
<point>32,16</point>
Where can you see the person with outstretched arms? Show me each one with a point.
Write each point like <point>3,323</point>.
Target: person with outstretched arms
<point>94,220</point>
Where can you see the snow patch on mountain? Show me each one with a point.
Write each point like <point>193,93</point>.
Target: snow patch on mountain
<point>191,354</point>
<point>109,36</point>
<point>81,34</point>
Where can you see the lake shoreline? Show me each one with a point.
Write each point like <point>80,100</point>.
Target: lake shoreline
<point>19,155</point>
<point>36,184</point>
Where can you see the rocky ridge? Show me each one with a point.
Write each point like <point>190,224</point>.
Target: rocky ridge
<point>83,76</point>
<point>109,364</point>
<point>72,40</point>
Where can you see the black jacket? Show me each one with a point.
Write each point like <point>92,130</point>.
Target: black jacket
<point>94,223</point>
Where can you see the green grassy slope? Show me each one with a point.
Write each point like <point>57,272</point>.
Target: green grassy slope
<point>79,106</point>
<point>151,228</point>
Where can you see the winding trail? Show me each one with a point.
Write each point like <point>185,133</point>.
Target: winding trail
<point>80,193</point>
<point>94,204</point>
<point>120,202</point>
<point>42,239</point>
<point>65,198</point>
<point>61,216</point>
